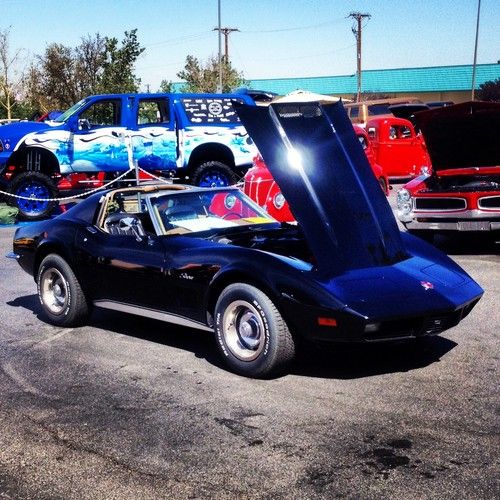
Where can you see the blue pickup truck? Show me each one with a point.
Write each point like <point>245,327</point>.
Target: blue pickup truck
<point>195,137</point>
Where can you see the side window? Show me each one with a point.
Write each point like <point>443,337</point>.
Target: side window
<point>379,109</point>
<point>354,112</point>
<point>151,111</point>
<point>405,132</point>
<point>210,110</point>
<point>101,114</point>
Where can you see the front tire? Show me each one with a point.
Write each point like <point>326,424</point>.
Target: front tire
<point>214,174</point>
<point>35,190</point>
<point>60,293</point>
<point>251,334</point>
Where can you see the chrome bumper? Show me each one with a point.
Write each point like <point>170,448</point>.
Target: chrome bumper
<point>463,225</point>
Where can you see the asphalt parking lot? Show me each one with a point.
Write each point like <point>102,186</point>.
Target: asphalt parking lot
<point>133,408</point>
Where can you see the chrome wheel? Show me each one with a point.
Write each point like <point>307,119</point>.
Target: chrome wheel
<point>244,331</point>
<point>54,291</point>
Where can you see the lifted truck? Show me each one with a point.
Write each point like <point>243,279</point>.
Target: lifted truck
<point>195,137</point>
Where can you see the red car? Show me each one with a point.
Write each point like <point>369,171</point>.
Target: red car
<point>397,147</point>
<point>463,191</point>
<point>261,187</point>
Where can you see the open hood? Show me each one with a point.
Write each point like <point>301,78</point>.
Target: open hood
<point>315,157</point>
<point>407,111</point>
<point>463,135</point>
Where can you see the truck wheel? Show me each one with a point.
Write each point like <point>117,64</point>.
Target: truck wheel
<point>213,174</point>
<point>252,337</point>
<point>35,190</point>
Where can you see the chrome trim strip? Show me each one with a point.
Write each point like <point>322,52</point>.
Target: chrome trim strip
<point>465,214</point>
<point>12,255</point>
<point>451,226</point>
<point>151,313</point>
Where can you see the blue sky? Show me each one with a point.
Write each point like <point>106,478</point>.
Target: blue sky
<point>277,38</point>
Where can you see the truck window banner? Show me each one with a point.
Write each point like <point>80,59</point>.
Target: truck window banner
<point>210,110</point>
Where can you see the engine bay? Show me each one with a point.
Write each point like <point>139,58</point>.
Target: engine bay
<point>463,183</point>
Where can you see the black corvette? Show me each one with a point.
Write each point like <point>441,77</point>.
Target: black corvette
<point>212,259</point>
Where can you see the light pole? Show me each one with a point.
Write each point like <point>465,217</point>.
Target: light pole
<point>475,50</point>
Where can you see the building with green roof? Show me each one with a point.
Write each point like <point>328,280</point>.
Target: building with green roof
<point>432,83</point>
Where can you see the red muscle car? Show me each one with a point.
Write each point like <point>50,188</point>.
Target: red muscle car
<point>463,191</point>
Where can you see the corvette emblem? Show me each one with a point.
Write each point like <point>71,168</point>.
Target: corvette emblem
<point>427,285</point>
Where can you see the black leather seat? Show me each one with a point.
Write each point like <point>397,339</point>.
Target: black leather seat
<point>122,223</point>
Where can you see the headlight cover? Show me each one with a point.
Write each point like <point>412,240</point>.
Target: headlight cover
<point>279,200</point>
<point>404,203</point>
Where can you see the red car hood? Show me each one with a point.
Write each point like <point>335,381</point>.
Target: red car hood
<point>462,136</point>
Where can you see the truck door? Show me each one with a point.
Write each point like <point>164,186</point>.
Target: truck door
<point>97,141</point>
<point>154,137</point>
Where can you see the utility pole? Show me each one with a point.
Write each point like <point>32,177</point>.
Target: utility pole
<point>475,51</point>
<point>219,83</point>
<point>358,17</point>
<point>226,32</point>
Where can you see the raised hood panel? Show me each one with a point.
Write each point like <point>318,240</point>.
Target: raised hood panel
<point>463,135</point>
<point>315,157</point>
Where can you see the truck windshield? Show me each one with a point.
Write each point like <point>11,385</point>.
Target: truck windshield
<point>69,112</point>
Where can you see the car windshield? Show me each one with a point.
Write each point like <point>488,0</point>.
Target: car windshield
<point>62,118</point>
<point>200,211</point>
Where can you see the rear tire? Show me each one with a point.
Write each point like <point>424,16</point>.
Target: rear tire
<point>214,174</point>
<point>33,187</point>
<point>251,334</point>
<point>60,293</point>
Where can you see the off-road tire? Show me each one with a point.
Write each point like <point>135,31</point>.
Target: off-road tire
<point>37,185</point>
<point>213,174</point>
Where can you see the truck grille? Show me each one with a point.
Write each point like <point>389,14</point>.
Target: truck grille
<point>489,202</point>
<point>440,204</point>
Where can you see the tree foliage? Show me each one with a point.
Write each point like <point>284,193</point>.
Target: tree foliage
<point>489,91</point>
<point>118,75</point>
<point>166,86</point>
<point>99,65</point>
<point>10,76</point>
<point>204,77</point>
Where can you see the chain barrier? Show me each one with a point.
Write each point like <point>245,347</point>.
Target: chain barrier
<point>132,166</point>
<point>161,179</point>
<point>66,198</point>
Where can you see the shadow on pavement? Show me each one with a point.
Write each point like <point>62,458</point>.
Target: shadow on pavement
<point>341,361</point>
<point>344,361</point>
<point>468,244</point>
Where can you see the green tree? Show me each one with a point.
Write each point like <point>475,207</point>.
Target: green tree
<point>118,67</point>
<point>98,65</point>
<point>489,91</point>
<point>166,86</point>
<point>204,77</point>
<point>10,77</point>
